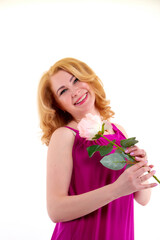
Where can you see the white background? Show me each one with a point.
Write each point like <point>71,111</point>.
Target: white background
<point>120,40</point>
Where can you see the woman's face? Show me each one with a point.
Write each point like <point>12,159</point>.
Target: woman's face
<point>74,96</point>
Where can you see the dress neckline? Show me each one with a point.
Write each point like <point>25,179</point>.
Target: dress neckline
<point>112,134</point>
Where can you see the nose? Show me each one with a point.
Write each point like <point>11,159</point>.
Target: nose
<point>75,91</point>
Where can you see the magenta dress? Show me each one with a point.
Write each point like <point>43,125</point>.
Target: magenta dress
<point>115,220</point>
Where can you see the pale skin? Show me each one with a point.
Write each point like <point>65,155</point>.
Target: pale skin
<point>62,207</point>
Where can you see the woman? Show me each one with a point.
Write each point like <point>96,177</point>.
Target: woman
<point>85,199</point>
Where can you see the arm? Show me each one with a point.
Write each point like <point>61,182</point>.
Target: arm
<point>142,197</point>
<point>62,207</point>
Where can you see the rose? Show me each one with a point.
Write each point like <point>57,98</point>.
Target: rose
<point>89,126</point>
<point>92,127</point>
<point>92,124</point>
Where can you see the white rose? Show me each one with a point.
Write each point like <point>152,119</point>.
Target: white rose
<point>89,126</point>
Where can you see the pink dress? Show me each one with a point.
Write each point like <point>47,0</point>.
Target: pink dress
<point>115,220</point>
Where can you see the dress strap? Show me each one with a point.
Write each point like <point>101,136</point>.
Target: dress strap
<point>74,130</point>
<point>116,130</point>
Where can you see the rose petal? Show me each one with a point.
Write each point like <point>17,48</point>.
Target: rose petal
<point>89,126</point>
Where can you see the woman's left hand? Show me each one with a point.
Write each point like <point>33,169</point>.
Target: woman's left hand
<point>139,154</point>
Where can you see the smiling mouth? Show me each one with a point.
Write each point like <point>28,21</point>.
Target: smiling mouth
<point>82,99</point>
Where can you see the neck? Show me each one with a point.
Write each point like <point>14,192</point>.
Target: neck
<point>78,119</point>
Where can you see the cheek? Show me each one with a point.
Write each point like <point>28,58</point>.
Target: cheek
<point>60,102</point>
<point>65,101</point>
<point>86,86</point>
<point>90,89</point>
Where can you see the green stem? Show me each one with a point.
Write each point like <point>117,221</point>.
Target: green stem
<point>114,144</point>
<point>119,148</point>
<point>156,179</point>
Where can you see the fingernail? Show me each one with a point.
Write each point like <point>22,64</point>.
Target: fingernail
<point>132,153</point>
<point>153,171</point>
<point>126,151</point>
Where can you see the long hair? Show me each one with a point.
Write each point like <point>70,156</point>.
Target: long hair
<point>50,113</point>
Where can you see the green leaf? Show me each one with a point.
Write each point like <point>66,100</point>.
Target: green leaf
<point>129,142</point>
<point>118,151</point>
<point>130,161</point>
<point>92,149</point>
<point>124,154</point>
<point>114,161</point>
<point>128,157</point>
<point>104,150</point>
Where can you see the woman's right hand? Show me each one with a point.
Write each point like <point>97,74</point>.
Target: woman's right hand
<point>132,179</point>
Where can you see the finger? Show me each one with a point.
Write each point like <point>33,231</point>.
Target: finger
<point>150,185</point>
<point>143,153</point>
<point>142,170</point>
<point>138,152</point>
<point>138,165</point>
<point>151,166</point>
<point>135,151</point>
<point>130,149</point>
<point>147,176</point>
<point>141,159</point>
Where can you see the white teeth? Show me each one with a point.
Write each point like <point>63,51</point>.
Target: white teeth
<point>81,99</point>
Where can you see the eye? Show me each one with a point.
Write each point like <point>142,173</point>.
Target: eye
<point>63,91</point>
<point>75,80</point>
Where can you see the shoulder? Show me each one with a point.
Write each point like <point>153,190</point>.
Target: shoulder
<point>60,146</point>
<point>62,136</point>
<point>62,130</point>
<point>121,129</point>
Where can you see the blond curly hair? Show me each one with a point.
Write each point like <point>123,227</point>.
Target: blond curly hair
<point>50,114</point>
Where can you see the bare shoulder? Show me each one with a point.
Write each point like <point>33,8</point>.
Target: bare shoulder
<point>62,136</point>
<point>121,129</point>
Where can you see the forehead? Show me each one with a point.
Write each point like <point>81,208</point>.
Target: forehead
<point>61,75</point>
<point>60,78</point>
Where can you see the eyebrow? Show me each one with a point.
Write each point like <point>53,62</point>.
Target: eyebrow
<point>64,86</point>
